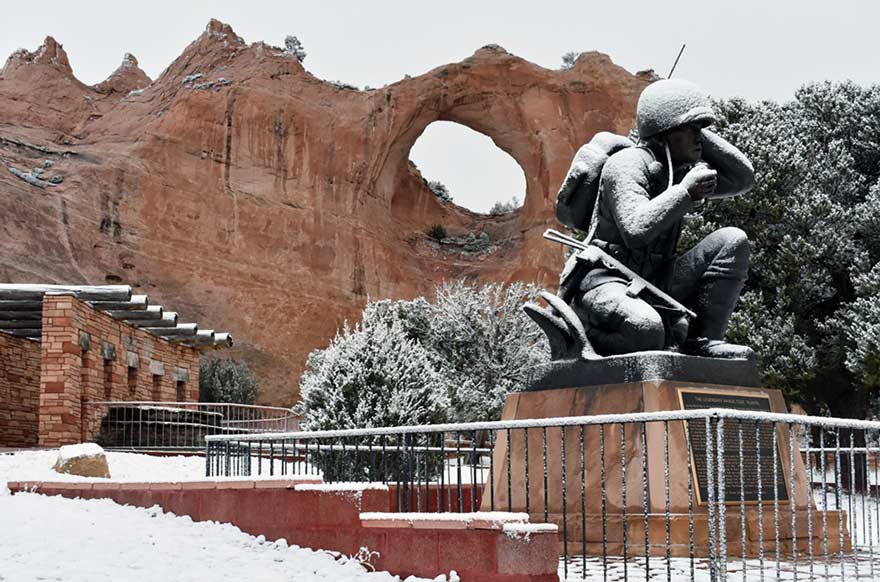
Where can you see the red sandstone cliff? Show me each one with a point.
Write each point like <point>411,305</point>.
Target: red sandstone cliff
<point>255,198</point>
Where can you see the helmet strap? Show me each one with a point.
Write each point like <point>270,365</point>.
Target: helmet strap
<point>668,162</point>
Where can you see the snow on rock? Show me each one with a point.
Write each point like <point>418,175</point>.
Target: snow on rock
<point>125,467</point>
<point>85,460</point>
<point>68,452</point>
<point>75,540</point>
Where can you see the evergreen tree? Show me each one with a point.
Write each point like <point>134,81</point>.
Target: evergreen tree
<point>568,60</point>
<point>810,306</point>
<point>371,376</point>
<point>225,380</point>
<point>294,47</point>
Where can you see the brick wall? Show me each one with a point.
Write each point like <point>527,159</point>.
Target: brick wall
<point>476,545</point>
<point>88,355</point>
<point>19,391</point>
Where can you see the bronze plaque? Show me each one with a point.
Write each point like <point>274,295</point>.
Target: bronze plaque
<point>743,479</point>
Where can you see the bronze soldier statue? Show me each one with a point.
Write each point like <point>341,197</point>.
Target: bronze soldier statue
<point>632,199</point>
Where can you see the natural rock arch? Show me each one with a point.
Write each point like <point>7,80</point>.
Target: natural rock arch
<point>268,202</point>
<point>499,177</point>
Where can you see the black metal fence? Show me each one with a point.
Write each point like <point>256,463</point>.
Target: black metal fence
<point>702,494</point>
<point>176,426</point>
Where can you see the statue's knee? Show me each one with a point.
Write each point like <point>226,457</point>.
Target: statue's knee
<point>644,329</point>
<point>735,249</point>
<point>735,240</point>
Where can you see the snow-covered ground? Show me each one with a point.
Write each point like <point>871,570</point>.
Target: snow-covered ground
<point>36,534</point>
<point>76,540</point>
<point>131,467</point>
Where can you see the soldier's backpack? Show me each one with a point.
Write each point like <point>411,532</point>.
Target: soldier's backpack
<point>576,200</point>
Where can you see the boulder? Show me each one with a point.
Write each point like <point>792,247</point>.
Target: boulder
<point>85,460</point>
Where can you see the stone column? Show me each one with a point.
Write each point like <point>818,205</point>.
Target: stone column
<point>60,412</point>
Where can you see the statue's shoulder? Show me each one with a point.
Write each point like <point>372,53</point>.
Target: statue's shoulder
<point>631,162</point>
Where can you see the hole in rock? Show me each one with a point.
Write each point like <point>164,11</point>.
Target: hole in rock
<point>473,171</point>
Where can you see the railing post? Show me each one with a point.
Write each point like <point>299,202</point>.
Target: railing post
<point>710,498</point>
<point>722,499</point>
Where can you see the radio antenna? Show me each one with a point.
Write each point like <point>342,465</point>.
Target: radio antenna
<point>675,64</point>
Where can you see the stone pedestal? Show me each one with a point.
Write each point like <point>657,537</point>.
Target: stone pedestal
<point>596,513</point>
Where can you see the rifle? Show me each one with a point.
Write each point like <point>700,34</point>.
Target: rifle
<point>591,255</point>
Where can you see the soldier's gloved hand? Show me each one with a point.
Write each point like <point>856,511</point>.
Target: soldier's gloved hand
<point>700,181</point>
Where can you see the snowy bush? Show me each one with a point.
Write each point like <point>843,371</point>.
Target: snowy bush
<point>504,207</point>
<point>476,243</point>
<point>293,47</point>
<point>225,380</point>
<point>343,85</point>
<point>371,376</point>
<point>416,362</point>
<point>810,306</point>
<point>485,344</point>
<point>440,190</point>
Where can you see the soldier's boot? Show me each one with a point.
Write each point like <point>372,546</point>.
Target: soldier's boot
<point>716,299</point>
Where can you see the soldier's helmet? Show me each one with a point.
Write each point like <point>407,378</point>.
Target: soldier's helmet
<point>669,103</point>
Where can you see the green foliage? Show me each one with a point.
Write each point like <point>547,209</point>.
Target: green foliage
<point>437,232</point>
<point>810,307</point>
<point>225,380</point>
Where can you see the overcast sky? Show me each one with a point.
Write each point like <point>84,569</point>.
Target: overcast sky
<point>755,49</point>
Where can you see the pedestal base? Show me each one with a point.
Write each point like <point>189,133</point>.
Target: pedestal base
<point>643,475</point>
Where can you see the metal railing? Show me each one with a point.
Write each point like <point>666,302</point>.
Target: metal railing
<point>177,426</point>
<point>702,494</point>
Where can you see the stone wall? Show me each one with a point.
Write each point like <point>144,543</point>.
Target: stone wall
<point>19,391</point>
<point>344,518</point>
<point>88,356</point>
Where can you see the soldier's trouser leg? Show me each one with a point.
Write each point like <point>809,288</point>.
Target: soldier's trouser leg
<point>618,323</point>
<point>708,279</point>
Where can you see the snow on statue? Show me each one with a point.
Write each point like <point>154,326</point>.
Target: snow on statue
<point>629,290</point>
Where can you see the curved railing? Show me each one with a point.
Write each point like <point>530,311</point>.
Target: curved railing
<point>177,426</point>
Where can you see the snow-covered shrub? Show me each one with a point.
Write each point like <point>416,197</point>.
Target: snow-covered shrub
<point>504,207</point>
<point>475,243</point>
<point>485,345</point>
<point>440,190</point>
<point>416,362</point>
<point>371,376</point>
<point>294,48</point>
<point>225,380</point>
<point>343,85</point>
<point>813,219</point>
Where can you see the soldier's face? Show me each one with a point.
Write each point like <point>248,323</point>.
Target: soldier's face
<point>685,143</point>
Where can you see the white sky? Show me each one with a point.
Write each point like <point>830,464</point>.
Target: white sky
<point>755,49</point>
